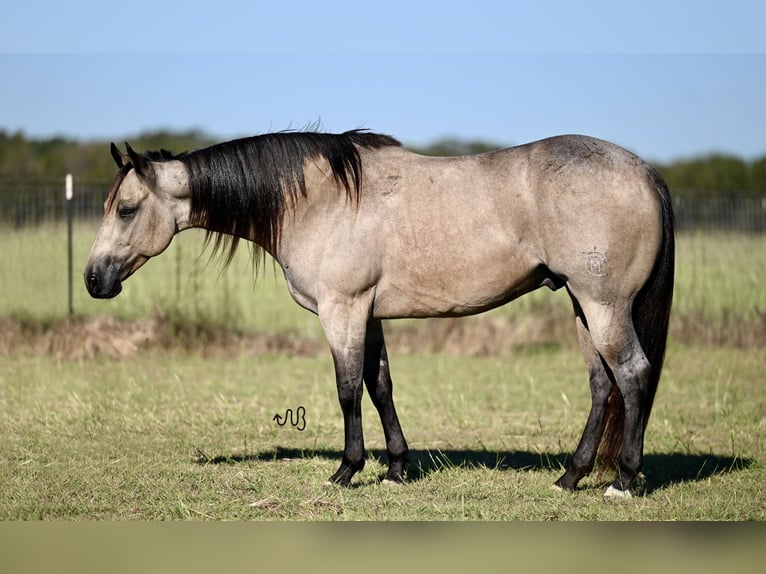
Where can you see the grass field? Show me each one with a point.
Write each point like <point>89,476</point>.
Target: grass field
<point>174,436</point>
<point>186,432</point>
<point>719,287</point>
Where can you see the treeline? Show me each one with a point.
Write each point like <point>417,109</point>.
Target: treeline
<point>716,175</point>
<point>89,161</point>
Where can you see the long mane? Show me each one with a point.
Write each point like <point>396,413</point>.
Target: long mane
<point>240,188</point>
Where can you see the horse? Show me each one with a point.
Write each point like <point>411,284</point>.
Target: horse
<point>365,230</point>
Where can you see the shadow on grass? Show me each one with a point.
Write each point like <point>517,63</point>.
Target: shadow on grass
<point>662,469</point>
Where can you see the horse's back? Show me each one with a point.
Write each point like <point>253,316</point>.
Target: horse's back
<point>453,233</point>
<point>460,235</point>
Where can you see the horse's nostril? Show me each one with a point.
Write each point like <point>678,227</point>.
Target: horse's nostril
<point>102,280</point>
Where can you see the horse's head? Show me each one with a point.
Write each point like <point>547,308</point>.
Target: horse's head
<point>146,206</point>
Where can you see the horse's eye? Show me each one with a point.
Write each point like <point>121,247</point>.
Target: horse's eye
<point>126,211</point>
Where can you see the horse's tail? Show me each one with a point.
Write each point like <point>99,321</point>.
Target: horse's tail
<point>651,314</point>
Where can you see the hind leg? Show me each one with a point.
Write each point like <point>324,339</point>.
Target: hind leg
<point>377,378</point>
<point>614,338</point>
<point>600,387</point>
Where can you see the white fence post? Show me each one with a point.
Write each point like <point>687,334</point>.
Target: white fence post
<point>69,194</point>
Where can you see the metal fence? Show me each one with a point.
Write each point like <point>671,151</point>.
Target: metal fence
<point>25,201</point>
<point>731,213</point>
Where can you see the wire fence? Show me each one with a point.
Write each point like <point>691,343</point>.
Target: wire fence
<point>25,201</point>
<point>730,213</point>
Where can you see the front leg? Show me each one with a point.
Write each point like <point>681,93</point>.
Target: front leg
<point>350,396</point>
<point>344,322</point>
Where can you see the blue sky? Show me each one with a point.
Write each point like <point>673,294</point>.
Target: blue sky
<point>665,80</point>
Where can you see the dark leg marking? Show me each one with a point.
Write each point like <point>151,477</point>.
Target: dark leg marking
<point>377,377</point>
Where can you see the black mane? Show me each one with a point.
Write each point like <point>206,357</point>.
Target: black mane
<point>240,188</point>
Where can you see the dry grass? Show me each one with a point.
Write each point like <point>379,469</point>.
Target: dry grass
<point>488,336</point>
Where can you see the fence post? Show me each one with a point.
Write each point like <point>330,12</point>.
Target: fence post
<point>69,193</point>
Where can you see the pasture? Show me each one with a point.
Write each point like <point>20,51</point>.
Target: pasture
<point>166,411</point>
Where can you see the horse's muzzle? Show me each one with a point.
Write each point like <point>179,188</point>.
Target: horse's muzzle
<point>103,281</point>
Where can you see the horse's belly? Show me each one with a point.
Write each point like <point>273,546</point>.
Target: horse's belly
<point>431,290</point>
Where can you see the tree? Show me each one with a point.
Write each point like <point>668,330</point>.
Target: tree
<point>758,177</point>
<point>712,175</point>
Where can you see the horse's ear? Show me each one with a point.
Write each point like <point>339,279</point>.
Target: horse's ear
<point>119,158</point>
<point>142,165</point>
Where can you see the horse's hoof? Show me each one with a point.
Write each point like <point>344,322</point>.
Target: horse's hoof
<point>393,483</point>
<point>613,493</point>
<point>556,487</point>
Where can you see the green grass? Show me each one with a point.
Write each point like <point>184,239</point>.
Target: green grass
<point>175,436</point>
<point>182,282</point>
<point>719,286</point>
<point>720,276</point>
<point>179,434</point>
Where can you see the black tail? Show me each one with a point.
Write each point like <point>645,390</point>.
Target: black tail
<point>651,315</point>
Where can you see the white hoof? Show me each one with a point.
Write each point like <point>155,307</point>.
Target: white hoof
<point>613,493</point>
<point>391,483</point>
<point>556,487</point>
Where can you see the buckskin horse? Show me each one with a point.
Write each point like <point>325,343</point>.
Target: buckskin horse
<point>365,230</point>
